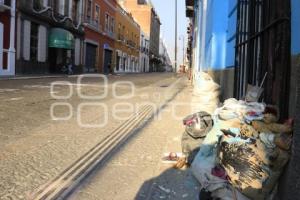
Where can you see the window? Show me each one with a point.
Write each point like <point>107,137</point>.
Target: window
<point>142,2</point>
<point>89,10</point>
<point>106,23</point>
<point>119,32</point>
<point>33,41</point>
<point>112,25</point>
<point>97,14</point>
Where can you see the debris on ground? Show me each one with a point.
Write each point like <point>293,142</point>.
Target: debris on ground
<point>238,151</point>
<point>172,157</point>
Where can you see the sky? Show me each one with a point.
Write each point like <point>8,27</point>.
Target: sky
<point>166,12</point>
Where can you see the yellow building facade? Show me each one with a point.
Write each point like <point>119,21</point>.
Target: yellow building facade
<point>127,43</point>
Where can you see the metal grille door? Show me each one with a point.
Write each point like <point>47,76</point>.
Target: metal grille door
<point>263,48</point>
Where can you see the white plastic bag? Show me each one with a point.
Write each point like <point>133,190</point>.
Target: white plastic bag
<point>205,94</point>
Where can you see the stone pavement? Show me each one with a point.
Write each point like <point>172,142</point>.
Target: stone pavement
<point>34,149</point>
<point>136,170</point>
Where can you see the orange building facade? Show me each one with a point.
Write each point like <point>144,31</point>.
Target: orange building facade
<point>147,18</point>
<point>127,43</point>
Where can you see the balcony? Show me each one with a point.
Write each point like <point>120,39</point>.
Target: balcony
<point>131,43</point>
<point>5,5</point>
<point>120,38</point>
<point>144,50</point>
<point>93,24</point>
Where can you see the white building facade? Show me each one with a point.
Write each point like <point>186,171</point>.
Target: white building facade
<point>165,61</point>
<point>144,53</point>
<point>50,34</point>
<point>7,37</point>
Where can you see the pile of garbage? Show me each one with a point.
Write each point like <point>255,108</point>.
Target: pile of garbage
<point>238,152</point>
<point>205,94</point>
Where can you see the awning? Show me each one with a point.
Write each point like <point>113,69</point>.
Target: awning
<point>60,38</point>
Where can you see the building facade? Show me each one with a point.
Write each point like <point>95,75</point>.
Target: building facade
<point>127,43</point>
<point>50,36</point>
<point>262,48</point>
<point>146,16</point>
<point>144,52</point>
<point>165,61</point>
<point>7,37</point>
<point>100,35</point>
<point>154,41</point>
<point>211,41</point>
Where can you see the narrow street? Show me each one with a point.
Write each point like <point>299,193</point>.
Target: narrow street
<point>149,100</point>
<point>35,148</point>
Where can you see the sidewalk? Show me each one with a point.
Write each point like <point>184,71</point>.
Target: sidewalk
<point>136,170</point>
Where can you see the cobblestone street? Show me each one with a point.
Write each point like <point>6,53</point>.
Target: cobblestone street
<point>137,170</point>
<point>35,149</point>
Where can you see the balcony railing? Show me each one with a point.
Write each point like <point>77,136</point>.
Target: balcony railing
<point>121,37</point>
<point>131,43</point>
<point>144,50</point>
<point>95,24</point>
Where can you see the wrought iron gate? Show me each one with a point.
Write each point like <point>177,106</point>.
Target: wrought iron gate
<point>263,47</point>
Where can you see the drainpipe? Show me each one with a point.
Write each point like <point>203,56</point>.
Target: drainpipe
<point>12,50</point>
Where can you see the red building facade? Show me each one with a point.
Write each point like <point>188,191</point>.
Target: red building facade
<point>99,18</point>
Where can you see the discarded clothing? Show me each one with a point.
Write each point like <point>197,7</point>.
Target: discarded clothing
<point>218,171</point>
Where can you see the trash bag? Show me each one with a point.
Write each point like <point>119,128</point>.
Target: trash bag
<point>205,94</point>
<point>238,109</point>
<point>190,146</point>
<point>252,168</point>
<point>206,160</point>
<point>198,126</point>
